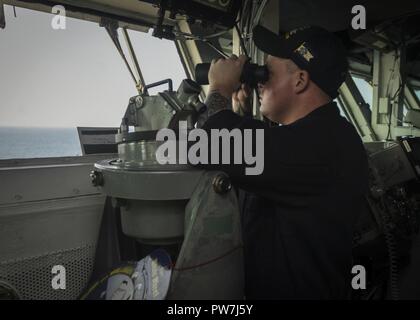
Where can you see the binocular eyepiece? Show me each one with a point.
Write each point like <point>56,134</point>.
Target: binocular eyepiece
<point>252,74</point>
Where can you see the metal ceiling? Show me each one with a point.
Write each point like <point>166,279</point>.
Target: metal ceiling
<point>330,14</point>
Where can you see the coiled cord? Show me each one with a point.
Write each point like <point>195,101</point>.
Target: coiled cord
<point>392,252</point>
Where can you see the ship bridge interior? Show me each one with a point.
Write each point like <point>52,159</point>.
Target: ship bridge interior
<point>57,211</point>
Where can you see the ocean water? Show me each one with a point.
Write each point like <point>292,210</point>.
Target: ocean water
<point>25,142</point>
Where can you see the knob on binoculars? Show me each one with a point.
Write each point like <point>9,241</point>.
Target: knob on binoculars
<point>252,74</point>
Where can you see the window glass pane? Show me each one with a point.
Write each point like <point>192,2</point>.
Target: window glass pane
<point>365,89</point>
<point>55,80</point>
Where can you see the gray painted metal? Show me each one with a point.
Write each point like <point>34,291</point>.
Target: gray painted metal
<point>147,184</point>
<point>386,106</point>
<point>129,13</point>
<point>35,183</point>
<point>140,82</point>
<point>154,222</point>
<point>49,215</point>
<point>390,165</point>
<point>35,236</point>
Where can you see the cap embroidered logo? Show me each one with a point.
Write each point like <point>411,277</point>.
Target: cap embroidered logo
<point>304,52</point>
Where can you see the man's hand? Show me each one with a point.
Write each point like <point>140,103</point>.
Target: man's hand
<point>224,75</point>
<point>241,100</point>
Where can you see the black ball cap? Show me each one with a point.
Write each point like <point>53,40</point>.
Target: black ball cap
<point>311,48</point>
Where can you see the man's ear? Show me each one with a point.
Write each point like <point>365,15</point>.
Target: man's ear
<point>301,81</point>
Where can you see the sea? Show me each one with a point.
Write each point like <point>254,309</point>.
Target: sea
<point>36,142</point>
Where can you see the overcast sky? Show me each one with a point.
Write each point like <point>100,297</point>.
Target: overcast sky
<point>72,77</point>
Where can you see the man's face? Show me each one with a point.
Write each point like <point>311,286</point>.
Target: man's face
<point>277,93</point>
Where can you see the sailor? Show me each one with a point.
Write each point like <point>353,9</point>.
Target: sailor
<point>299,214</point>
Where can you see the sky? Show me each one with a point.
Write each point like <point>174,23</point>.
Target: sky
<point>73,77</point>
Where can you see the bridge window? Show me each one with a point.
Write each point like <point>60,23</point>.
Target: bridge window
<point>56,80</point>
<point>365,89</point>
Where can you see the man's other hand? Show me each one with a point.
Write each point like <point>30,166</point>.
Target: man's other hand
<point>241,100</point>
<point>224,75</point>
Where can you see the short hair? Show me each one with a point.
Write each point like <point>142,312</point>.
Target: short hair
<point>291,66</point>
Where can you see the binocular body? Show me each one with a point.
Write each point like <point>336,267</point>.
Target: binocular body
<point>252,74</point>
